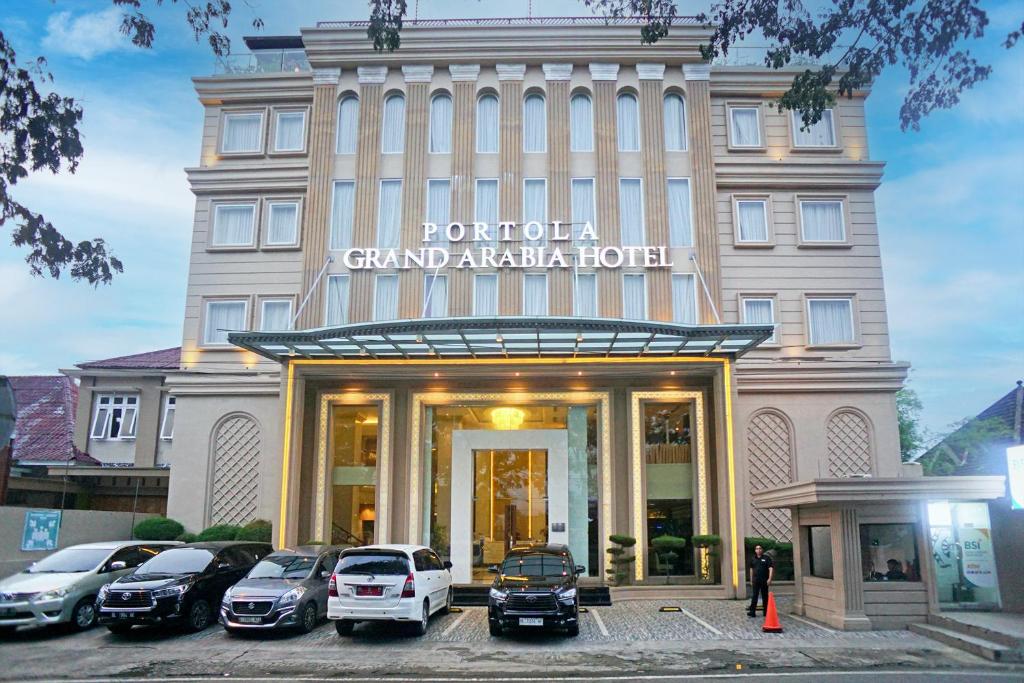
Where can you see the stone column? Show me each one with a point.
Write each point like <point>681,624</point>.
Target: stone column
<point>364,221</point>
<point>705,223</point>
<point>606,185</point>
<point>560,290</point>
<point>317,220</point>
<point>464,76</point>
<point>846,571</point>
<point>414,183</point>
<point>510,190</point>
<point>652,127</point>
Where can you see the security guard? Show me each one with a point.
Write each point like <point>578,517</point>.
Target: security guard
<point>762,570</point>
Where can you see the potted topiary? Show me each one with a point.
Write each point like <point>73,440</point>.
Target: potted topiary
<point>668,549</point>
<point>621,558</point>
<point>708,543</point>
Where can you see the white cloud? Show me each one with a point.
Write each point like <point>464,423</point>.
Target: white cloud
<point>86,35</point>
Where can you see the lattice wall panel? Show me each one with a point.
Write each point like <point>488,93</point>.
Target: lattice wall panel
<point>849,445</point>
<point>236,479</point>
<point>769,464</point>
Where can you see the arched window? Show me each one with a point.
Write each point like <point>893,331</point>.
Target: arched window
<point>487,124</point>
<point>348,124</point>
<point>535,124</point>
<point>441,124</point>
<point>628,123</point>
<point>581,123</point>
<point>393,134</point>
<point>675,123</point>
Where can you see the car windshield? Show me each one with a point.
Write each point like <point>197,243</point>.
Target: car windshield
<point>535,565</point>
<point>70,560</point>
<point>373,563</point>
<point>177,561</point>
<point>283,567</point>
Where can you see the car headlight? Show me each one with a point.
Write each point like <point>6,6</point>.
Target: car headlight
<point>291,596</point>
<point>498,595</point>
<point>568,594</point>
<point>104,589</point>
<point>56,594</point>
<point>170,591</point>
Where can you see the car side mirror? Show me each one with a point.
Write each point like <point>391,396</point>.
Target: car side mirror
<point>493,569</point>
<point>223,565</point>
<point>118,566</point>
<point>580,569</point>
<point>447,564</point>
<point>325,573</point>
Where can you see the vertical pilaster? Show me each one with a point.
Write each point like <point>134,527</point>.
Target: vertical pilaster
<point>464,76</point>
<point>846,569</point>
<point>559,204</point>
<point>652,127</point>
<point>606,184</point>
<point>83,413</point>
<point>510,190</point>
<point>316,222</point>
<point>705,234</point>
<point>148,433</point>
<point>414,182</point>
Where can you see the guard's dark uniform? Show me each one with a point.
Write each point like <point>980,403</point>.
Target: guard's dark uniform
<point>761,567</point>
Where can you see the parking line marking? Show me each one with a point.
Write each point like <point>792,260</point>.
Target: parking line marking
<point>701,621</point>
<point>600,622</point>
<point>455,623</point>
<point>810,623</point>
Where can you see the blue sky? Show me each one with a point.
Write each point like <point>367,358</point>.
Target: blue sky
<point>950,209</point>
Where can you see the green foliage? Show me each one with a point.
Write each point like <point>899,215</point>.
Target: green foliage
<point>623,540</point>
<point>766,543</point>
<point>219,532</point>
<point>706,540</point>
<point>257,530</point>
<point>908,414</point>
<point>313,542</point>
<point>965,449</point>
<point>158,529</point>
<point>668,543</point>
<point>618,574</point>
<point>187,537</point>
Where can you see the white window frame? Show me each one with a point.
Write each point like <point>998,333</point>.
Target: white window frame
<point>796,123</point>
<point>730,108</point>
<point>170,408</point>
<point>854,328</point>
<point>383,121</point>
<point>572,136</point>
<point>476,126</point>
<point>430,281</point>
<point>331,246</point>
<point>643,212</point>
<point>380,198</point>
<point>278,113</point>
<point>543,241</point>
<point>206,316</point>
<point>345,304</point>
<point>646,311</point>
<point>440,238</point>
<point>766,207</point>
<point>618,123</point>
<point>689,197</point>
<point>547,293</point>
<point>338,140</point>
<point>843,208</point>
<point>576,293</point>
<point>224,127</point>
<point>593,210</point>
<point>277,299</point>
<point>497,292</point>
<point>544,99</point>
<point>476,211</point>
<point>216,207</point>
<point>268,214</point>
<point>770,298</point>
<point>686,123</point>
<point>696,298</point>
<point>107,403</point>
<point>376,282</point>
<point>430,123</point>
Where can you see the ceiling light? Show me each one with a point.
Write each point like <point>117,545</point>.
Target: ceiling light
<point>507,418</point>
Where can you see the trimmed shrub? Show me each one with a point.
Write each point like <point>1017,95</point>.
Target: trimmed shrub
<point>257,530</point>
<point>187,537</point>
<point>706,540</point>
<point>158,529</point>
<point>765,543</point>
<point>623,540</point>
<point>668,548</point>
<point>219,532</point>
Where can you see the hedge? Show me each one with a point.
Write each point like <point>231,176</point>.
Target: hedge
<point>219,532</point>
<point>158,529</point>
<point>257,530</point>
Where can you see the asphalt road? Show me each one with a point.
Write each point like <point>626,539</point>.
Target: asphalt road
<point>966,675</point>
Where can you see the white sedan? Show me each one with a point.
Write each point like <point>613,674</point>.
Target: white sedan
<point>401,583</point>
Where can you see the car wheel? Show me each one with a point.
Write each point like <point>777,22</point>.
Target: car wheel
<point>83,616</point>
<point>344,626</point>
<point>119,629</point>
<point>420,627</point>
<point>573,630</point>
<point>309,618</point>
<point>495,628</point>
<point>198,616</point>
<point>448,601</point>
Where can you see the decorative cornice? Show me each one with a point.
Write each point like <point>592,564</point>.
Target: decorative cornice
<point>326,76</point>
<point>697,72</point>
<point>650,72</point>
<point>837,492</point>
<point>464,72</point>
<point>792,173</point>
<point>418,73</point>
<point>372,75</point>
<point>510,72</point>
<point>557,72</point>
<point>810,376</point>
<point>604,72</point>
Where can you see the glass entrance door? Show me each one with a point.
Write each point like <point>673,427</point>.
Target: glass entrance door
<point>963,556</point>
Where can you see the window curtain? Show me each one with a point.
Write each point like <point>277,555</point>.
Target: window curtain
<point>675,123</point>
<point>390,215</point>
<point>289,131</point>
<point>822,221</point>
<point>282,225</point>
<point>439,198</point>
<point>759,312</point>
<point>341,215</point>
<point>631,212</point>
<point>348,125</point>
<point>233,225</point>
<point>628,123</point>
<point>277,315</point>
<point>535,124</point>
<point>223,317</point>
<point>535,206</point>
<point>831,321</point>
<point>684,300</point>
<point>487,125</point>
<point>585,301</point>
<point>486,208</point>
<point>535,294</point>
<point>745,129</point>
<point>385,298</point>
<point>680,228</point>
<point>485,294</point>
<point>582,207</point>
<point>393,135</point>
<point>821,134</point>
<point>634,299</point>
<point>337,299</point>
<point>581,123</point>
<point>435,296</point>
<point>753,224</point>
<point>441,125</point>
<point>242,132</point>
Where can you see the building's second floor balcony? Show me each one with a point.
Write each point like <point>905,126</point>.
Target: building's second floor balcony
<point>263,62</point>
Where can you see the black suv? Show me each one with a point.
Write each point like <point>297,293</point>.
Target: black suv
<point>181,587</point>
<point>535,587</point>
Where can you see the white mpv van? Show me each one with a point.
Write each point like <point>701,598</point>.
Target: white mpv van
<point>403,583</point>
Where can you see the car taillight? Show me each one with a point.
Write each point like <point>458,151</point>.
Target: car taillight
<point>409,590</point>
<point>332,587</point>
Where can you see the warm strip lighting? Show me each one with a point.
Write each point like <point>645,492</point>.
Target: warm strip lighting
<point>507,418</point>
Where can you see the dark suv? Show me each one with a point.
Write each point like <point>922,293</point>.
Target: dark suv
<point>180,587</point>
<point>535,587</point>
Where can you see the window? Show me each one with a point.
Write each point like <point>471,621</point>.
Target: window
<point>341,214</point>
<point>233,225</point>
<point>634,296</point>
<point>822,221</point>
<point>282,224</point>
<point>290,131</point>
<point>115,416</point>
<point>389,216</point>
<point>222,317</point>
<point>820,134</point>
<point>752,221</point>
<point>888,552</point>
<point>680,228</point>
<point>242,133</point>
<point>535,294</point>
<point>760,311</point>
<point>275,315</point>
<point>385,297</point>
<point>585,302</point>
<point>167,424</point>
<point>669,471</point>
<point>581,123</point>
<point>830,321</point>
<point>819,551</point>
<point>745,126</point>
<point>684,298</point>
<point>582,209</point>
<point>441,124</point>
<point>535,124</point>
<point>485,294</point>
<point>393,133</point>
<point>485,208</point>
<point>348,125</point>
<point>435,296</point>
<point>487,124</point>
<point>675,123</point>
<point>439,198</point>
<point>631,212</point>
<point>337,300</point>
<point>628,127</point>
<point>535,210</point>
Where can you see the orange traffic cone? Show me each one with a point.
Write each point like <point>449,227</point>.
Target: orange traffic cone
<point>771,619</point>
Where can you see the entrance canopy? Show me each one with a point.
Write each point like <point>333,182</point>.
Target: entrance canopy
<point>510,337</point>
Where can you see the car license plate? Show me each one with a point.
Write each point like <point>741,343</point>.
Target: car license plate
<point>250,620</point>
<point>122,615</point>
<point>531,621</point>
<point>370,591</point>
